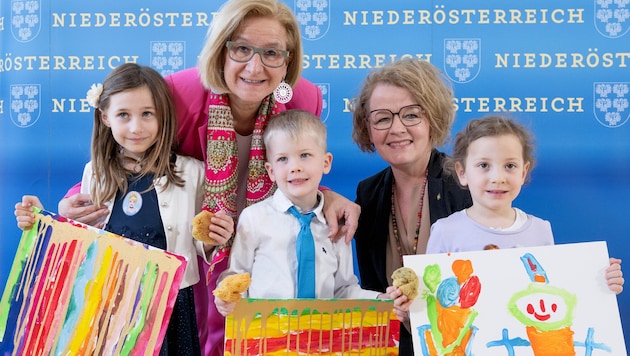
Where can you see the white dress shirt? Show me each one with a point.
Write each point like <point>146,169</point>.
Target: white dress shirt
<point>264,246</point>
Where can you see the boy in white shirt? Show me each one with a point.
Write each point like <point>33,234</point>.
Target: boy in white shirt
<point>267,232</point>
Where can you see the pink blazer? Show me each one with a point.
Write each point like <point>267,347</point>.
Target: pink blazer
<point>191,103</point>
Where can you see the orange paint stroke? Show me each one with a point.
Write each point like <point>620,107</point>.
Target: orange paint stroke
<point>551,343</point>
<point>462,270</point>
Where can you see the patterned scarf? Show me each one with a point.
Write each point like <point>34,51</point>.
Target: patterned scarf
<point>222,162</point>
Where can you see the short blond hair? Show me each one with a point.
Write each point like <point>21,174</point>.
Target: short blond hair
<point>297,124</point>
<point>426,84</point>
<point>226,23</point>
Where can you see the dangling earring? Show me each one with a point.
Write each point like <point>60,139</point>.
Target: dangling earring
<point>283,92</point>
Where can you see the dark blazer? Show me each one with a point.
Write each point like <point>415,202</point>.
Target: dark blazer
<point>374,196</point>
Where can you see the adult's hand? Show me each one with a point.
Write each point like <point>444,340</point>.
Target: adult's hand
<point>79,207</point>
<point>341,214</point>
<point>220,231</point>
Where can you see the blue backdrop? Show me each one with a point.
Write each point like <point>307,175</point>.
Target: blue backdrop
<point>559,66</point>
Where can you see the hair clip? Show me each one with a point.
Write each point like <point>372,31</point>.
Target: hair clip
<point>94,94</point>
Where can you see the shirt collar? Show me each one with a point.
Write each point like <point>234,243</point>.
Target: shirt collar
<point>282,203</point>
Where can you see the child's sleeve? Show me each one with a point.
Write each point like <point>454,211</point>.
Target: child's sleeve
<point>196,174</point>
<point>436,239</point>
<point>346,282</point>
<point>243,249</point>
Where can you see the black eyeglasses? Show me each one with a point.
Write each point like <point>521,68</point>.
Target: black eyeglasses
<point>270,57</point>
<point>382,119</point>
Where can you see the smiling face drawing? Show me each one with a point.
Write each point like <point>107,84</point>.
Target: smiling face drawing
<point>544,315</point>
<point>540,305</point>
<point>543,307</point>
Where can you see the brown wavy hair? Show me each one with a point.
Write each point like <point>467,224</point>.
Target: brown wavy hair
<point>109,174</point>
<point>490,126</point>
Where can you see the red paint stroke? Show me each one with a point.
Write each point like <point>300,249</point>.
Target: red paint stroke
<point>541,317</point>
<point>469,292</point>
<point>532,266</point>
<point>57,285</point>
<point>40,299</point>
<point>330,341</point>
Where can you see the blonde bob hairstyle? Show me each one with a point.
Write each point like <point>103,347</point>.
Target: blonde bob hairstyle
<point>426,84</point>
<point>226,23</point>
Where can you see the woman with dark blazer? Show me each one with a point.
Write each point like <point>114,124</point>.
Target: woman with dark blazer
<point>403,112</point>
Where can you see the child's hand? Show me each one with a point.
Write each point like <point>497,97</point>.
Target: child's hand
<point>222,228</point>
<point>401,303</point>
<point>225,308</point>
<point>24,212</point>
<point>614,276</point>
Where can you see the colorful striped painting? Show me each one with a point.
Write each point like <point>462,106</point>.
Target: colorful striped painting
<point>76,290</point>
<point>312,327</point>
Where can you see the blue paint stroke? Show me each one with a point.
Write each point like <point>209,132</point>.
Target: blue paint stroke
<point>448,292</point>
<point>591,345</point>
<point>508,343</point>
<point>533,268</point>
<point>76,303</point>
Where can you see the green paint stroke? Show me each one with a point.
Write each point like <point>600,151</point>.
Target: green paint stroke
<point>147,284</point>
<point>538,288</point>
<point>23,253</point>
<point>433,316</point>
<point>437,334</point>
<point>432,277</point>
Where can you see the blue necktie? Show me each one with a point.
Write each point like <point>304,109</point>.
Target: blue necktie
<point>305,249</point>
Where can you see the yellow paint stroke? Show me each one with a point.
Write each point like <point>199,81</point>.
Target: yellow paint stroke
<point>109,311</point>
<point>93,298</point>
<point>108,306</point>
<point>256,320</point>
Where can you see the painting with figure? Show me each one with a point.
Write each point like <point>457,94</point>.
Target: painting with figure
<point>548,300</point>
<point>77,290</point>
<point>312,327</point>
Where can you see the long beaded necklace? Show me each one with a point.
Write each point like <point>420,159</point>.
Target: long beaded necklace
<point>395,224</point>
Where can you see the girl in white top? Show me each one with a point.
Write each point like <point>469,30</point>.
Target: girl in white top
<point>152,194</point>
<point>493,158</point>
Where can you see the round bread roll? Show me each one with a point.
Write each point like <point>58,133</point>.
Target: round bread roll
<point>201,226</point>
<point>407,281</point>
